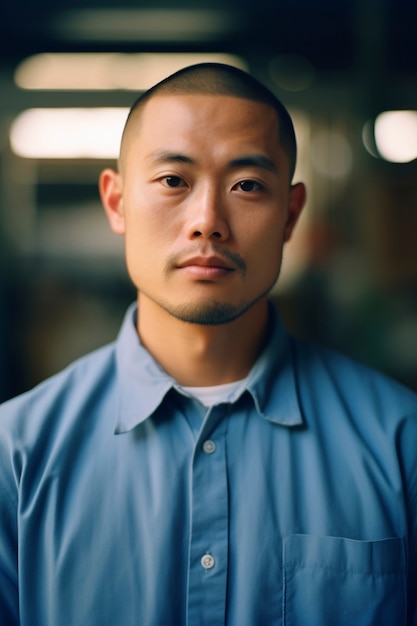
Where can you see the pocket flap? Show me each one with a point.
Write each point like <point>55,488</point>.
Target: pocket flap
<point>343,582</point>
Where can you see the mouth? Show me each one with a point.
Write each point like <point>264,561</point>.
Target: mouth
<point>209,262</point>
<point>206,267</point>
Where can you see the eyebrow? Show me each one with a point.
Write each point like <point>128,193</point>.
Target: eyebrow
<point>250,160</point>
<point>254,160</point>
<point>166,156</point>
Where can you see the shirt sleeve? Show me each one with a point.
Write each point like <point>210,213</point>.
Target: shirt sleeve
<point>9,594</point>
<point>407,443</point>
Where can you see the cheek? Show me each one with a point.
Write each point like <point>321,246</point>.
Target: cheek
<point>266,253</point>
<point>265,237</point>
<point>143,220</point>
<point>148,216</point>
<point>147,243</point>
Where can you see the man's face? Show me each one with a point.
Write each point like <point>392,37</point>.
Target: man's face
<point>205,204</point>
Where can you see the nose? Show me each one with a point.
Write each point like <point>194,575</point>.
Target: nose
<point>208,219</point>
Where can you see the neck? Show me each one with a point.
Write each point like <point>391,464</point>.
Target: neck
<point>198,355</point>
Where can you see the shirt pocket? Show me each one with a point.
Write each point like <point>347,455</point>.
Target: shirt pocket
<point>334,581</point>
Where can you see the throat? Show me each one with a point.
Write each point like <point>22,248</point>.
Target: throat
<point>199,355</point>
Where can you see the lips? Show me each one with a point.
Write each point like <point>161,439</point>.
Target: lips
<point>206,262</point>
<point>206,268</point>
<point>213,262</point>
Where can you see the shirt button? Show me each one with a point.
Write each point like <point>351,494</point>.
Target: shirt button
<point>209,446</point>
<point>207,561</point>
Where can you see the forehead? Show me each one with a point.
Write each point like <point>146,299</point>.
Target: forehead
<point>201,119</point>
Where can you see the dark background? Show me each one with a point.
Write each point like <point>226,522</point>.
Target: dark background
<point>354,286</point>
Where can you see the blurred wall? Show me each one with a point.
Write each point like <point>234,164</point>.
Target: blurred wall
<point>350,275</point>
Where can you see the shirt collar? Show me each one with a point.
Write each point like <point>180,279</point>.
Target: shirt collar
<point>143,384</point>
<point>272,380</point>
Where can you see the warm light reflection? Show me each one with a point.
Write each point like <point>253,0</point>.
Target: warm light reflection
<point>145,24</point>
<point>368,138</point>
<point>68,133</point>
<point>331,154</point>
<point>107,71</point>
<point>291,72</point>
<point>396,136</point>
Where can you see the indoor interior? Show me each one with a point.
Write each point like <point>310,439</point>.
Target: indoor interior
<point>346,70</point>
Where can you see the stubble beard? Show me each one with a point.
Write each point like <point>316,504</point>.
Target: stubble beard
<point>213,312</point>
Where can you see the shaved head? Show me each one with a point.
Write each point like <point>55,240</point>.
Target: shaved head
<point>218,79</point>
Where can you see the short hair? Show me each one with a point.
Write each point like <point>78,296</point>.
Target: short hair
<point>222,79</point>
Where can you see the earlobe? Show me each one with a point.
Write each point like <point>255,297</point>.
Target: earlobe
<point>295,206</point>
<point>111,188</point>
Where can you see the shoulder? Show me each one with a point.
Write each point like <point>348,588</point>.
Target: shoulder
<point>332,377</point>
<point>356,408</point>
<point>57,397</point>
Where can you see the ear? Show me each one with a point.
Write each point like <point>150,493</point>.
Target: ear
<point>295,206</point>
<point>111,193</point>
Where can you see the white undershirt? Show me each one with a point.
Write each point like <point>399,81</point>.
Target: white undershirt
<point>209,396</point>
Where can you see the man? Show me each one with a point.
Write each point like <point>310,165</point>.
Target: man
<point>208,469</point>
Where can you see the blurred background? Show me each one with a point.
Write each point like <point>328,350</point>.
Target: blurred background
<point>346,69</point>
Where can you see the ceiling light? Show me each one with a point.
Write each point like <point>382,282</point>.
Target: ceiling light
<point>107,71</point>
<point>74,133</point>
<point>396,136</point>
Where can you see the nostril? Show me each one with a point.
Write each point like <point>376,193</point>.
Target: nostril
<point>215,234</point>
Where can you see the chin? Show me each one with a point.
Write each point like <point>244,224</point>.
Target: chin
<point>211,314</point>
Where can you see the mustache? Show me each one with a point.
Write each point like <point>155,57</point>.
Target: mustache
<point>212,249</point>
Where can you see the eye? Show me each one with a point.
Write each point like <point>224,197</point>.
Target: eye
<point>248,185</point>
<point>173,181</point>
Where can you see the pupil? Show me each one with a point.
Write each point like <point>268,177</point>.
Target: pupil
<point>246,185</point>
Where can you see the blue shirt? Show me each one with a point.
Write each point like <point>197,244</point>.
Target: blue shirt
<point>124,503</point>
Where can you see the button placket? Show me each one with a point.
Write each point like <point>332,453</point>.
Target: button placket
<point>207,582</point>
